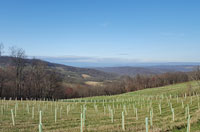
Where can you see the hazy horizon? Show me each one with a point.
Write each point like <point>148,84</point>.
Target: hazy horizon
<point>107,62</point>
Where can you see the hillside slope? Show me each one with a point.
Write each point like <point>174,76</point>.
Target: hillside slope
<point>159,102</point>
<point>164,109</point>
<point>71,74</point>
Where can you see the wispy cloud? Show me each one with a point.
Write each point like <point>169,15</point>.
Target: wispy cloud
<point>88,61</point>
<point>71,58</point>
<point>85,61</point>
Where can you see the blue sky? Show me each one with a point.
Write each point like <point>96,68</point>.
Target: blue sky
<point>122,31</point>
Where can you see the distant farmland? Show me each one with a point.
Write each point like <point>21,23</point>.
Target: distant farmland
<point>169,108</point>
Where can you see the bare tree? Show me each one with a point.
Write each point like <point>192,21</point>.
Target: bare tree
<point>1,49</point>
<point>38,75</point>
<point>2,80</point>
<point>18,59</point>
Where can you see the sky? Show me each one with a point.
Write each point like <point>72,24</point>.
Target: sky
<point>103,31</point>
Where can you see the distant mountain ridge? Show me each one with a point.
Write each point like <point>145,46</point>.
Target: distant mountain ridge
<point>148,70</point>
<point>76,74</point>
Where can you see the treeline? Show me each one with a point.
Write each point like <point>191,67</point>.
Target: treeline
<point>128,84</point>
<point>35,80</point>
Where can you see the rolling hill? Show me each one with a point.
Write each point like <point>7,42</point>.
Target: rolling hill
<point>70,73</point>
<point>99,74</point>
<point>147,70</point>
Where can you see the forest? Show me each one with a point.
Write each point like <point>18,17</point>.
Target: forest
<point>37,81</point>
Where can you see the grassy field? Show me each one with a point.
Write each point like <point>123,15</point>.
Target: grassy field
<point>167,109</point>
